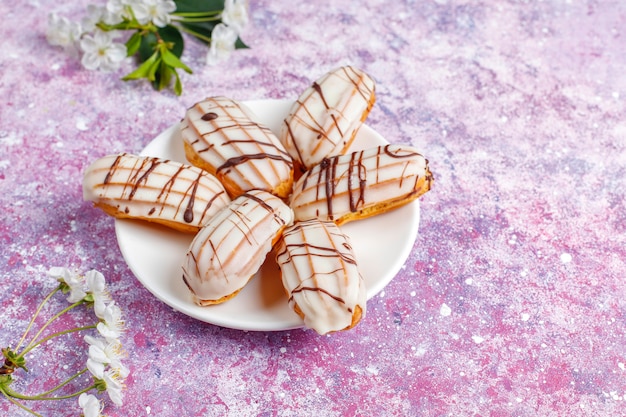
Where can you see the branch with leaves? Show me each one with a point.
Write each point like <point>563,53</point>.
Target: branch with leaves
<point>151,32</point>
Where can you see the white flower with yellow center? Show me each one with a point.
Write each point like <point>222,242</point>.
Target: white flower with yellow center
<point>102,354</point>
<point>101,52</point>
<point>114,385</point>
<point>112,325</point>
<point>155,11</point>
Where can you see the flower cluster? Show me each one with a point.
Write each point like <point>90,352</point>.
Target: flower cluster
<point>152,31</point>
<point>105,350</point>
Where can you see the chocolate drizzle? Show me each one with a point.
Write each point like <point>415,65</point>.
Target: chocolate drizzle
<point>318,289</point>
<point>113,168</point>
<point>188,214</point>
<point>242,159</point>
<point>266,206</point>
<point>153,162</point>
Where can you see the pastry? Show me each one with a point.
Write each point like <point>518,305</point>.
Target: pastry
<point>231,248</point>
<point>177,195</point>
<point>361,184</point>
<point>320,276</point>
<point>326,117</point>
<point>221,136</point>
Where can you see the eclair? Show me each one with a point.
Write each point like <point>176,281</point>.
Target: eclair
<point>361,184</point>
<point>320,276</point>
<point>158,190</point>
<point>222,136</point>
<point>231,248</point>
<point>324,120</point>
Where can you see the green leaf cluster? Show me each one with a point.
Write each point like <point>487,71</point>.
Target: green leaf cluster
<point>159,53</point>
<point>159,49</point>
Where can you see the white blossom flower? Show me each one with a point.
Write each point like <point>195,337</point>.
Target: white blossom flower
<point>114,385</point>
<point>97,287</point>
<point>74,281</point>
<point>223,40</point>
<point>155,11</point>
<point>61,31</point>
<point>90,405</point>
<point>235,14</point>
<point>97,14</point>
<point>117,7</point>
<point>112,325</point>
<point>123,9</point>
<point>103,353</point>
<point>101,52</point>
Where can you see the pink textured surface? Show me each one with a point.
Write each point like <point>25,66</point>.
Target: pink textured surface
<point>513,301</point>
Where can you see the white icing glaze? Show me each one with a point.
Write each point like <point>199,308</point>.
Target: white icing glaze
<point>342,187</point>
<point>320,275</point>
<point>154,189</point>
<point>327,115</point>
<point>231,248</point>
<point>224,134</point>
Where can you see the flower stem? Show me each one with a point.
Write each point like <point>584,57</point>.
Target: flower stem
<point>32,343</point>
<point>195,19</point>
<point>196,34</point>
<point>32,346</point>
<point>214,13</point>
<point>32,321</point>
<point>64,383</point>
<point>42,397</point>
<point>22,406</point>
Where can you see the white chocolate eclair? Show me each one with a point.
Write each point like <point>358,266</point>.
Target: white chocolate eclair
<point>324,120</point>
<point>361,184</point>
<point>231,248</point>
<point>177,195</point>
<point>320,275</point>
<point>221,136</point>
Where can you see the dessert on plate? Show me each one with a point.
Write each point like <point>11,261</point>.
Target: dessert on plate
<point>327,116</point>
<point>158,190</point>
<point>321,276</point>
<point>232,246</point>
<point>222,136</point>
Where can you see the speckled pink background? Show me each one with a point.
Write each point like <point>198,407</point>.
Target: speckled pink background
<point>513,301</point>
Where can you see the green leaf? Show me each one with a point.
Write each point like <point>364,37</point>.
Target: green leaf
<point>170,34</point>
<point>172,60</point>
<point>199,5</point>
<point>145,70</point>
<point>147,46</point>
<point>240,45</point>
<point>178,85</point>
<point>133,43</point>
<point>154,68</point>
<point>165,76</point>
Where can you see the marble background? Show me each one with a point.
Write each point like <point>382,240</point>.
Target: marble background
<point>513,300</point>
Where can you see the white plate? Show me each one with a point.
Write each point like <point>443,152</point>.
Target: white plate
<point>154,253</point>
